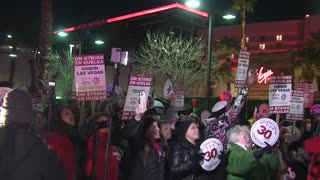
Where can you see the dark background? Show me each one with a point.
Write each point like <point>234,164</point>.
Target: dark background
<point>22,17</point>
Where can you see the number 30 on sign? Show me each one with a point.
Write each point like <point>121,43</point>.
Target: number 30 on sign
<point>263,131</point>
<point>211,148</point>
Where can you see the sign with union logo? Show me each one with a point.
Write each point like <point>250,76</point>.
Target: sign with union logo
<point>242,69</point>
<point>280,94</point>
<point>212,149</point>
<point>90,78</point>
<point>264,131</point>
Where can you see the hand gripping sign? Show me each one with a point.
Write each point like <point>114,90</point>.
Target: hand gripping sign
<point>264,131</point>
<point>211,148</point>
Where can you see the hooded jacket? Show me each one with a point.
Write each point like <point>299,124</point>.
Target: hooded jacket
<point>29,158</point>
<point>113,158</point>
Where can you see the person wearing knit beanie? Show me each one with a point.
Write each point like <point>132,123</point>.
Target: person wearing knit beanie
<point>182,125</point>
<point>16,108</point>
<point>146,123</point>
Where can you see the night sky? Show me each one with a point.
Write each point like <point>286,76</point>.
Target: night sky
<point>22,17</point>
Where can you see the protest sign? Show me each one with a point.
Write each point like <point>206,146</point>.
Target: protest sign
<point>168,89</point>
<point>211,148</point>
<point>138,92</point>
<point>90,79</point>
<point>296,106</point>
<point>243,64</point>
<point>280,94</point>
<point>264,131</point>
<point>308,90</point>
<point>179,101</point>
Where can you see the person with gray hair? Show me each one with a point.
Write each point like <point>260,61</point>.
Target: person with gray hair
<point>244,163</point>
<point>24,155</point>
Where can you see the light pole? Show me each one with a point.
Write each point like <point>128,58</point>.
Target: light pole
<point>196,4</point>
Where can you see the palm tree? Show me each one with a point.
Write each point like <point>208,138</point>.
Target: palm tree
<point>314,42</point>
<point>309,66</point>
<point>224,50</point>
<point>243,6</point>
<point>45,40</point>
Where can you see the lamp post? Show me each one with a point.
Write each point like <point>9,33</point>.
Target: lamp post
<point>196,4</point>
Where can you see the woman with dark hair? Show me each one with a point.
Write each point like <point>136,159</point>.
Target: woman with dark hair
<point>149,161</point>
<point>65,141</point>
<point>96,151</point>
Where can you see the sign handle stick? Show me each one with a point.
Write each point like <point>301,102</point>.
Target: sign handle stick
<point>82,114</point>
<point>278,118</point>
<point>93,105</point>
<point>294,128</point>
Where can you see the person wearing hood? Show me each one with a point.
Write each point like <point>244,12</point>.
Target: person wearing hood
<point>185,155</point>
<point>23,155</point>
<point>101,123</point>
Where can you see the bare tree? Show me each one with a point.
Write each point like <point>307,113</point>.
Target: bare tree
<point>167,55</point>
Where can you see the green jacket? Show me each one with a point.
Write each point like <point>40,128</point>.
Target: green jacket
<point>242,165</point>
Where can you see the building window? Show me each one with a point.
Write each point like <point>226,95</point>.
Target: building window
<point>262,46</point>
<point>247,39</point>
<point>279,37</point>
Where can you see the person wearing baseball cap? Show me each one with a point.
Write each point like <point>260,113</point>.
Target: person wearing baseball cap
<point>23,155</point>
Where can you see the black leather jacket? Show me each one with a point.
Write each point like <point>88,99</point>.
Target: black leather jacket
<point>181,163</point>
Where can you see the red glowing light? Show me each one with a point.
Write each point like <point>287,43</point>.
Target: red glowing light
<point>158,9</point>
<point>264,77</point>
<point>133,15</point>
<point>64,30</point>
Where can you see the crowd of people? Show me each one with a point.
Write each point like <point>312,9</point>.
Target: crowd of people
<point>151,146</point>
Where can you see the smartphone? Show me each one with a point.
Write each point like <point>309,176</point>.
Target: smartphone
<point>252,72</point>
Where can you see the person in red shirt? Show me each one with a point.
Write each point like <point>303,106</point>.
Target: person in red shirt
<point>100,121</point>
<point>60,143</point>
<point>312,147</point>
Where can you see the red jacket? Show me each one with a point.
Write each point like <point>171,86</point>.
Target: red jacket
<point>312,147</point>
<point>60,143</point>
<point>113,159</point>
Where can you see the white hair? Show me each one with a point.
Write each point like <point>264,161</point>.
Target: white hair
<point>233,134</point>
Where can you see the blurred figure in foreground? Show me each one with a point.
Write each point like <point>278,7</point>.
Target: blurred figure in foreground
<point>23,155</point>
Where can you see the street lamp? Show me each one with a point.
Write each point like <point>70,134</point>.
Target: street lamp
<point>62,34</point>
<point>193,4</point>
<point>13,55</point>
<point>98,42</point>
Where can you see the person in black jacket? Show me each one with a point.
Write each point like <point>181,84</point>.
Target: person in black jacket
<point>23,155</point>
<point>185,155</point>
<point>149,159</point>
